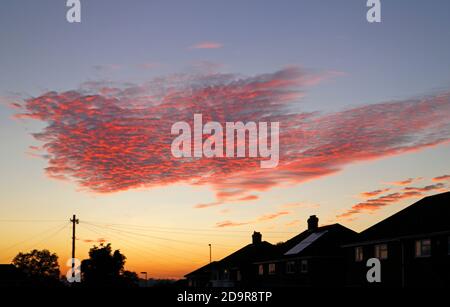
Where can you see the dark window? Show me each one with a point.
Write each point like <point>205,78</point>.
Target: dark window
<point>423,248</point>
<point>381,251</point>
<point>290,267</point>
<point>359,254</point>
<point>304,266</point>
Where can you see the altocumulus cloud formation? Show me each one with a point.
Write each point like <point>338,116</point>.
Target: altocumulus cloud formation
<point>109,138</point>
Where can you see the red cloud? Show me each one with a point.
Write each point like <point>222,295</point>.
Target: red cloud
<point>262,218</point>
<point>382,201</point>
<point>293,223</point>
<point>427,188</point>
<point>230,224</point>
<point>218,203</point>
<point>207,205</point>
<point>248,198</point>
<point>272,216</point>
<point>441,178</point>
<point>300,205</point>
<point>99,240</point>
<point>407,181</point>
<point>207,45</point>
<point>374,193</point>
<point>377,203</point>
<point>109,138</point>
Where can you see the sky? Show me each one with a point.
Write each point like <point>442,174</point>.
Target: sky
<point>86,113</point>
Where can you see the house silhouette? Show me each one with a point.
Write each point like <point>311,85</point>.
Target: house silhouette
<point>413,247</point>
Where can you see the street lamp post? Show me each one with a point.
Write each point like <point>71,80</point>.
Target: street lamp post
<point>209,253</point>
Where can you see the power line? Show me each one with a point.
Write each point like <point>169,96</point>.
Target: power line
<point>29,221</point>
<point>138,248</point>
<point>52,234</point>
<point>162,228</point>
<point>33,237</point>
<point>189,233</point>
<point>148,236</point>
<point>187,229</point>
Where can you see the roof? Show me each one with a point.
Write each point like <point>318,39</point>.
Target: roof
<point>203,270</point>
<point>305,243</point>
<point>242,257</point>
<point>428,215</point>
<point>250,253</point>
<point>319,242</point>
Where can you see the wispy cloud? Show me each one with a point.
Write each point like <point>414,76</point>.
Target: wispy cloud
<point>374,193</point>
<point>293,223</point>
<point>228,200</point>
<point>262,218</point>
<point>431,187</point>
<point>302,205</point>
<point>230,224</point>
<point>406,181</point>
<point>272,216</point>
<point>248,198</point>
<point>149,65</point>
<point>98,240</point>
<point>442,178</point>
<point>107,67</point>
<point>208,205</point>
<point>207,45</point>
<point>374,204</point>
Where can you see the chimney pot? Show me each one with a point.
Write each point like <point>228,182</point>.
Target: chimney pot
<point>256,237</point>
<point>313,223</point>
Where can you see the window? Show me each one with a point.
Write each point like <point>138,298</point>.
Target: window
<point>304,266</point>
<point>271,268</point>
<point>381,251</point>
<point>359,254</point>
<point>423,248</point>
<point>238,276</point>
<point>290,267</point>
<point>261,269</point>
<point>226,274</point>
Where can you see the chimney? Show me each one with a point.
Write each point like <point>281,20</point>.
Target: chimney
<point>256,237</point>
<point>313,223</point>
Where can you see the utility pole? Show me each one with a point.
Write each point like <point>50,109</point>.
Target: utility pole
<point>74,221</point>
<point>146,279</point>
<point>209,253</point>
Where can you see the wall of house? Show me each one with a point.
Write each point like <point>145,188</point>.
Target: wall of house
<point>321,271</point>
<point>417,271</point>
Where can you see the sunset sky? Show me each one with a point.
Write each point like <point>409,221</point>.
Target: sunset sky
<point>86,113</point>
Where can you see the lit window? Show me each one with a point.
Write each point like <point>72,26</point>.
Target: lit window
<point>261,269</point>
<point>423,248</point>
<point>304,266</point>
<point>272,268</point>
<point>290,267</point>
<point>381,251</point>
<point>359,254</point>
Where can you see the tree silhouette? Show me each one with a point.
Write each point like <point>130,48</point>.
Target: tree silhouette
<point>40,266</point>
<point>130,279</point>
<point>106,268</point>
